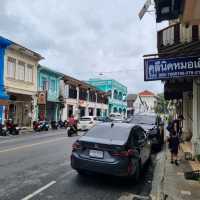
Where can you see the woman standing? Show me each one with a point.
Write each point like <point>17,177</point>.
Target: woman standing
<point>174,144</point>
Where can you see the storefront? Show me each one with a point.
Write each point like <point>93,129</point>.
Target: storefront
<point>181,86</point>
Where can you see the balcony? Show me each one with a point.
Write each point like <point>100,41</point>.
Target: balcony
<point>179,40</point>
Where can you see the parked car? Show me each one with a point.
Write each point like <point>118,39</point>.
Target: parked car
<point>86,123</point>
<point>119,149</point>
<point>117,117</point>
<point>153,127</point>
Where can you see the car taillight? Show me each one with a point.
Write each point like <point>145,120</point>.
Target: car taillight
<point>128,153</point>
<point>76,146</point>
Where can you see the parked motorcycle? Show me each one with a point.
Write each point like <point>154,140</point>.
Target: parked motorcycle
<point>63,124</point>
<point>12,128</point>
<point>72,130</point>
<point>54,125</point>
<point>2,130</point>
<point>40,126</point>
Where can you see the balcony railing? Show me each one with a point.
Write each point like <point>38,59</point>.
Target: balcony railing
<point>177,34</point>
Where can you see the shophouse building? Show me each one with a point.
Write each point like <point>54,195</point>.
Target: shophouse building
<point>177,63</point>
<point>20,82</point>
<point>82,99</point>
<point>49,105</point>
<point>117,94</point>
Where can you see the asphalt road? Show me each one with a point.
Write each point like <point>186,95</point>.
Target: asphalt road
<point>37,166</point>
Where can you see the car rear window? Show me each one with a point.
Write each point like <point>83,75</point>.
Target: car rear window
<point>106,132</point>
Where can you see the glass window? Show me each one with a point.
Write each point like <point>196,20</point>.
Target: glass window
<point>53,85</point>
<point>30,73</point>
<point>44,83</point>
<point>11,67</point>
<point>20,71</point>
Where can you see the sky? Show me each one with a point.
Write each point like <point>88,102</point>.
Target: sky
<point>85,38</point>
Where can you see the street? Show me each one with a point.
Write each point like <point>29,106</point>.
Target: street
<point>37,166</point>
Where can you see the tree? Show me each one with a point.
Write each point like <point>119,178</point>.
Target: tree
<point>162,104</point>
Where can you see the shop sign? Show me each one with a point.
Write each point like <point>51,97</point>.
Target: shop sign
<point>42,97</point>
<point>162,69</point>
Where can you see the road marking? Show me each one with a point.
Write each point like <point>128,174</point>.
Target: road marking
<point>39,190</point>
<point>30,145</point>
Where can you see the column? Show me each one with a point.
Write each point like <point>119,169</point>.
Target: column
<point>35,108</point>
<point>196,117</point>
<point>66,91</point>
<point>186,115</point>
<point>87,104</point>
<point>64,112</point>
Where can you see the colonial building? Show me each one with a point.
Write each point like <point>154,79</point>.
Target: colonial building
<point>82,99</point>
<point>177,63</point>
<point>20,65</point>
<point>146,101</point>
<point>117,94</point>
<point>48,87</point>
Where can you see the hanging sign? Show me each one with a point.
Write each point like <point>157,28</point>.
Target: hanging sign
<point>161,69</point>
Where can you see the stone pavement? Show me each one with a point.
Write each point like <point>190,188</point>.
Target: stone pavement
<point>169,182</point>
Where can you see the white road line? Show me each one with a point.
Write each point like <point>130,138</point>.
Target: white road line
<point>30,145</point>
<point>39,190</point>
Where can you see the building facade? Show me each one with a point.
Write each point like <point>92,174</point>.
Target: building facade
<point>117,94</point>
<point>4,43</point>
<point>20,79</point>
<point>177,64</point>
<point>48,108</point>
<point>146,101</point>
<point>82,99</point>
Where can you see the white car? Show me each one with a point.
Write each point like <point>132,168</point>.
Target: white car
<point>86,123</point>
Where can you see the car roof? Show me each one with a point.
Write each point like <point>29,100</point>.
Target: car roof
<point>104,133</point>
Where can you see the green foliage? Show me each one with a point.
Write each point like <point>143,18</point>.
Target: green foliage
<point>162,104</point>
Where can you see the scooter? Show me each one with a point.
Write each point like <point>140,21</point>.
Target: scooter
<point>72,130</point>
<point>54,125</point>
<point>12,128</point>
<point>2,130</point>
<point>40,126</point>
<point>63,124</point>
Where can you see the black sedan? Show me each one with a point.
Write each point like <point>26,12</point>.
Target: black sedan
<point>153,127</point>
<point>115,149</point>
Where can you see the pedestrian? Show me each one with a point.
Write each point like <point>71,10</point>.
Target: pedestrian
<point>174,144</point>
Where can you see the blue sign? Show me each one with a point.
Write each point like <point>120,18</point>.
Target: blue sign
<point>162,69</point>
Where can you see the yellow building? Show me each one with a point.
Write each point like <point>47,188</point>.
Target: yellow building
<point>20,78</point>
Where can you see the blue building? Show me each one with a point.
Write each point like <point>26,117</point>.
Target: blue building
<point>4,43</point>
<point>117,94</point>
<point>49,85</point>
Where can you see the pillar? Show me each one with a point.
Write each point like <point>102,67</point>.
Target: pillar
<point>196,117</point>
<point>77,104</point>
<point>186,115</point>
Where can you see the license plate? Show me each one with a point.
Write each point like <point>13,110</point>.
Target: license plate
<point>96,154</point>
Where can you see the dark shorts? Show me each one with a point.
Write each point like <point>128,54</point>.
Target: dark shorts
<point>174,151</point>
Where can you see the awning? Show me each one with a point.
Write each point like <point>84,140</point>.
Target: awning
<point>4,102</point>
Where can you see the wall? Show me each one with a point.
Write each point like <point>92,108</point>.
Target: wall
<point>18,86</point>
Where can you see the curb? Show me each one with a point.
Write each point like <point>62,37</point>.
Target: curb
<point>157,193</point>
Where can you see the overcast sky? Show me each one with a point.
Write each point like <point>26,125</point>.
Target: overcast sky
<point>84,37</point>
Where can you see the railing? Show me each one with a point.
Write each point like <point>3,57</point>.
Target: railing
<point>176,34</point>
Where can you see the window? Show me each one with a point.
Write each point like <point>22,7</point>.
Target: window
<point>20,71</point>
<point>44,83</point>
<point>53,85</point>
<point>11,67</point>
<point>29,73</point>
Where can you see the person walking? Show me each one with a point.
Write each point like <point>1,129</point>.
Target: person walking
<point>174,144</point>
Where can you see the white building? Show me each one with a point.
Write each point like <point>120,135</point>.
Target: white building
<point>82,99</point>
<point>145,102</point>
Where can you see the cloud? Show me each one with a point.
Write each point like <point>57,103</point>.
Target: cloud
<point>82,38</point>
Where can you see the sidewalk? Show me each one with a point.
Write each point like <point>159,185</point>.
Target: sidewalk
<point>169,182</point>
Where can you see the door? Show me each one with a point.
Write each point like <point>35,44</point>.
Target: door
<point>141,142</point>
